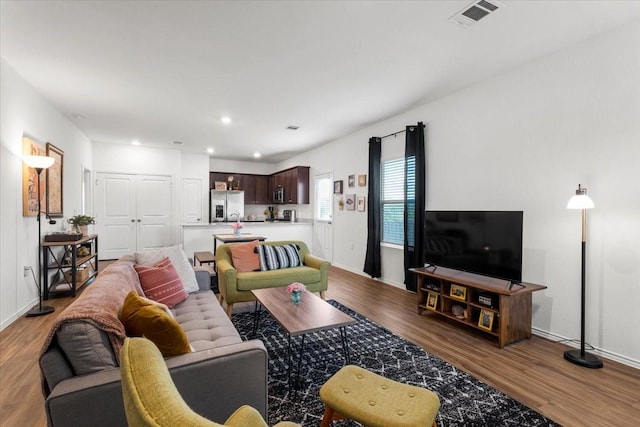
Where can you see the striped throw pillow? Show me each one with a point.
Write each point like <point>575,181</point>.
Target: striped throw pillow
<point>162,283</point>
<point>276,257</point>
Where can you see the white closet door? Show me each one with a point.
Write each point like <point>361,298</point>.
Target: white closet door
<point>192,201</point>
<point>116,215</point>
<point>133,213</point>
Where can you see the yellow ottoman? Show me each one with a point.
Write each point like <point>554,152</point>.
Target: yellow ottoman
<point>376,401</point>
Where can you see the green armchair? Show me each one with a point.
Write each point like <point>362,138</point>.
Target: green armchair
<point>236,286</point>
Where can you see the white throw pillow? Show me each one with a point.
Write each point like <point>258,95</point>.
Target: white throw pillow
<point>178,259</point>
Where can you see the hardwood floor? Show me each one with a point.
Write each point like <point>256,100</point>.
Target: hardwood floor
<point>533,371</point>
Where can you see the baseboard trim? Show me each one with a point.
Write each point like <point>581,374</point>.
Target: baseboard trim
<point>363,274</point>
<point>18,315</point>
<point>600,352</point>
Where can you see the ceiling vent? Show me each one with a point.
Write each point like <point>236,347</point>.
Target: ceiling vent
<point>293,127</point>
<point>475,12</point>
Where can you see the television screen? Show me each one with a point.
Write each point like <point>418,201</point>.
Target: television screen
<point>482,242</point>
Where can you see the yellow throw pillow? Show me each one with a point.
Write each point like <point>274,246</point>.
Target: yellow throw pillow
<point>143,319</point>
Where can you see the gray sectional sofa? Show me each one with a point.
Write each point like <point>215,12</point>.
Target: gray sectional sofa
<point>79,360</point>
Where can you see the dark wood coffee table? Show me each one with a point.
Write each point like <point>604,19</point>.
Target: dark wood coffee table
<point>312,314</point>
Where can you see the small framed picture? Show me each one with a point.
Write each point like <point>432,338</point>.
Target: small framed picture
<point>458,292</point>
<point>350,201</point>
<point>362,203</point>
<point>486,320</point>
<point>362,180</point>
<point>352,180</point>
<point>432,301</point>
<point>337,187</point>
<point>221,186</point>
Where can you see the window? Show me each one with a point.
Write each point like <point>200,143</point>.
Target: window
<point>393,182</point>
<point>324,193</point>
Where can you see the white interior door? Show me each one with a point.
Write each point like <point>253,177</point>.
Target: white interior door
<point>116,214</point>
<point>133,213</point>
<point>153,210</point>
<point>323,217</point>
<point>192,201</point>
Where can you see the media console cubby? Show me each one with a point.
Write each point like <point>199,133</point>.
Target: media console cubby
<point>505,308</point>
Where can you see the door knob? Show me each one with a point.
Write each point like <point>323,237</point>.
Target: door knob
<point>133,220</point>
<point>139,220</point>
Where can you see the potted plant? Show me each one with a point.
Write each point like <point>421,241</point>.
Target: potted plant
<point>80,223</point>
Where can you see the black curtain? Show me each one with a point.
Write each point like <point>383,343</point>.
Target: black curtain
<point>414,206</point>
<point>372,259</point>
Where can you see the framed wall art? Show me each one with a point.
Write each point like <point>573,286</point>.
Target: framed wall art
<point>30,179</point>
<point>352,180</point>
<point>54,182</point>
<point>362,203</point>
<point>350,201</point>
<point>337,187</point>
<point>362,180</point>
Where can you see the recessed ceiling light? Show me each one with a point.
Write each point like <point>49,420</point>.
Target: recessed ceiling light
<point>135,142</point>
<point>257,155</point>
<point>210,150</point>
<point>226,120</point>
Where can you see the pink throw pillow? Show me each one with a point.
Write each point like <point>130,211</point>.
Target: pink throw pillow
<point>162,283</point>
<point>245,257</point>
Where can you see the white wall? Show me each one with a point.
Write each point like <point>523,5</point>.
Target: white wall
<point>23,110</point>
<point>523,141</point>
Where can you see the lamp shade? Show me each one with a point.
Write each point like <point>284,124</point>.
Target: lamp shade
<point>38,162</point>
<point>580,200</point>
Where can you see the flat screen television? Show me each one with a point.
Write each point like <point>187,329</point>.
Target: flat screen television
<point>482,242</point>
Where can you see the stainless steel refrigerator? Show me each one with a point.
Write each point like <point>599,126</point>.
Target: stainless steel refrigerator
<point>226,206</point>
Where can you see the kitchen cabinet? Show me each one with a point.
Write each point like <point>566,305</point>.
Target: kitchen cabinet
<point>296,184</point>
<point>256,189</point>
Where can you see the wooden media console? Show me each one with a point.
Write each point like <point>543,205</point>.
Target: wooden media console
<point>497,307</point>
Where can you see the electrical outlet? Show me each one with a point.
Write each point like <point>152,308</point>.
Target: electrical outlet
<point>27,268</point>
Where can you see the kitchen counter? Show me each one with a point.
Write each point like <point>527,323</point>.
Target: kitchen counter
<point>199,237</point>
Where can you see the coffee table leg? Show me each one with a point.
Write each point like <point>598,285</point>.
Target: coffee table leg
<point>256,318</point>
<point>295,384</point>
<point>345,345</point>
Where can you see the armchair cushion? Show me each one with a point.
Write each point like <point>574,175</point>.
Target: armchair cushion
<point>275,257</point>
<point>245,257</point>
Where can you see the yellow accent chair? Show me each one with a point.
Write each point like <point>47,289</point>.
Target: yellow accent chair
<point>152,399</point>
<point>375,401</point>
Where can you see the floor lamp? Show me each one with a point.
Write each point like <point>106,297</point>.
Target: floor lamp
<point>580,357</point>
<point>39,163</point>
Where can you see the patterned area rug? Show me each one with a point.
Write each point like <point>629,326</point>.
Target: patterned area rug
<point>465,401</point>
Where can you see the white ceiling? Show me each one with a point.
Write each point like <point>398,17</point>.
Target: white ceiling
<point>164,71</point>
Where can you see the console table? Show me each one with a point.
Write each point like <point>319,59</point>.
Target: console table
<point>69,277</point>
<point>497,307</point>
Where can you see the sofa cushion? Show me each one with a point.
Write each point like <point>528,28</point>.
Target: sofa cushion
<point>245,256</point>
<point>86,347</point>
<point>205,322</point>
<point>276,257</point>
<point>178,259</point>
<point>276,278</point>
<point>161,283</point>
<point>144,319</point>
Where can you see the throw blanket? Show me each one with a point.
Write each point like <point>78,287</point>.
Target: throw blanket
<point>99,305</point>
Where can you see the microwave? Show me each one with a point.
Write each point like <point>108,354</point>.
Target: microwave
<point>278,195</point>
